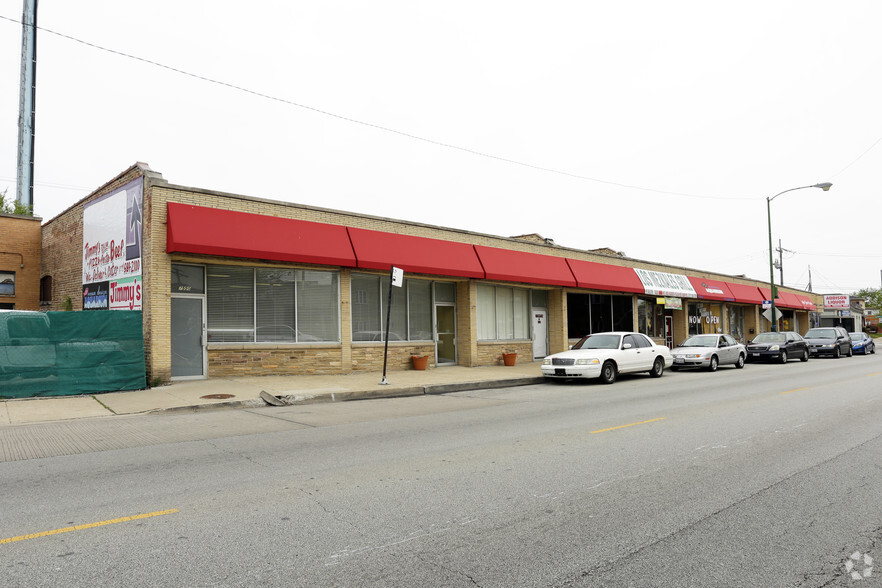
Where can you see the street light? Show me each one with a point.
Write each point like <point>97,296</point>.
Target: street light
<point>772,294</point>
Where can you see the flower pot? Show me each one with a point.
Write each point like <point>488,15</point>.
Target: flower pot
<point>420,362</point>
<point>509,358</point>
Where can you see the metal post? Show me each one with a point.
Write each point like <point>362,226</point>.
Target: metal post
<point>771,265</point>
<point>386,348</point>
<point>24,188</point>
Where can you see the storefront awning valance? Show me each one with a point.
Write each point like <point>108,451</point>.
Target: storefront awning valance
<point>784,299</point>
<point>521,266</point>
<point>211,231</point>
<point>379,250</point>
<point>806,302</point>
<point>665,284</point>
<point>745,294</point>
<point>712,289</point>
<point>603,276</point>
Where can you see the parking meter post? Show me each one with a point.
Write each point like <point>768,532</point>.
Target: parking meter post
<point>386,347</point>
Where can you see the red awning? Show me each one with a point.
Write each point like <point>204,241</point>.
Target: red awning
<point>711,289</point>
<point>379,250</point>
<point>806,302</point>
<point>520,266</point>
<point>746,294</point>
<point>210,231</point>
<point>784,299</point>
<point>603,276</point>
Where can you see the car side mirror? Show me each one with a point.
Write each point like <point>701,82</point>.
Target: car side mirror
<point>626,346</point>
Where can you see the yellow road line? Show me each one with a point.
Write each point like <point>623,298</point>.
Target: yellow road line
<point>797,390</point>
<point>875,374</point>
<point>88,526</point>
<point>628,425</point>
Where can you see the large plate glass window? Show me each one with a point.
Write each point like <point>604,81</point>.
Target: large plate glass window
<point>411,314</point>
<point>503,313</point>
<point>598,313</point>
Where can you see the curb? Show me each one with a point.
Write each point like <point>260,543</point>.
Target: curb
<point>353,395</point>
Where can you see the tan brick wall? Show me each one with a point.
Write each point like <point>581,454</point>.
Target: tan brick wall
<point>490,352</point>
<point>467,323</point>
<point>369,356</point>
<point>275,360</point>
<point>20,252</point>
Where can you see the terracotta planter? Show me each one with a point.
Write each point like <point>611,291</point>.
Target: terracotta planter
<point>420,362</point>
<point>509,358</point>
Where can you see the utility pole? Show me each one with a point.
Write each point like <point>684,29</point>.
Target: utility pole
<point>809,287</point>
<point>24,190</point>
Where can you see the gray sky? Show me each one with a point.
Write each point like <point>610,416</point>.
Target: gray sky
<point>652,128</point>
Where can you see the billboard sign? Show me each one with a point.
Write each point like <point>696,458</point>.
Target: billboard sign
<point>112,247</point>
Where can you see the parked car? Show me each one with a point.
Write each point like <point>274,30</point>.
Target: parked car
<point>832,341</point>
<point>605,355</point>
<point>708,352</point>
<point>862,343</point>
<point>779,346</point>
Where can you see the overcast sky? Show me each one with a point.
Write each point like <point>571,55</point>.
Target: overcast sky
<point>653,128</point>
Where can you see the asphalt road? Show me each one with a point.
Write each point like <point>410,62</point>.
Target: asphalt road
<point>766,476</point>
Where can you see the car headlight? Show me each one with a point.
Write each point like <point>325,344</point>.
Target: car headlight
<point>546,361</point>
<point>828,346</point>
<point>774,348</point>
<point>693,355</point>
<point>587,361</point>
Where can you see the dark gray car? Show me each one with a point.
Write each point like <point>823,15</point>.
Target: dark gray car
<point>832,341</point>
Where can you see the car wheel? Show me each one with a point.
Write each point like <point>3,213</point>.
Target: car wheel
<point>740,363</point>
<point>805,355</point>
<point>850,352</point>
<point>783,358</point>
<point>658,368</point>
<point>714,363</point>
<point>836,353</point>
<point>608,372</point>
<point>873,349</point>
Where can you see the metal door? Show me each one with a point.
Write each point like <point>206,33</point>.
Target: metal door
<point>540,333</point>
<point>445,334</point>
<point>188,337</point>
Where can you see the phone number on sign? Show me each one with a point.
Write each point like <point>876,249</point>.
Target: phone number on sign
<point>131,267</point>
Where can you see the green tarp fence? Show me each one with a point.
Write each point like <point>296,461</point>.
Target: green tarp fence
<point>67,353</point>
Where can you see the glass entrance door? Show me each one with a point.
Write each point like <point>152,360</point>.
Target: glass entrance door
<point>445,334</point>
<point>187,349</point>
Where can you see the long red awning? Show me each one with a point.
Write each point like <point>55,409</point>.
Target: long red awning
<point>784,299</point>
<point>712,289</point>
<point>520,266</point>
<point>746,294</point>
<point>210,231</point>
<point>603,276</point>
<point>806,302</point>
<point>379,250</point>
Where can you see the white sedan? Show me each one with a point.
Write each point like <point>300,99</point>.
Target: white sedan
<point>606,355</point>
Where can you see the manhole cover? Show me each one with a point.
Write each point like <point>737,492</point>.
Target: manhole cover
<point>218,396</point>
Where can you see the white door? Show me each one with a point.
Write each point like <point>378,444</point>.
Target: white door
<point>540,332</point>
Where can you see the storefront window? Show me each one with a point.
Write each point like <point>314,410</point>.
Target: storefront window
<point>503,313</point>
<point>736,322</point>
<point>705,318</point>
<point>410,318</point>
<point>596,313</point>
<point>262,305</point>
<point>651,318</point>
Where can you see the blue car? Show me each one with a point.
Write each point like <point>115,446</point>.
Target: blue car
<point>862,343</point>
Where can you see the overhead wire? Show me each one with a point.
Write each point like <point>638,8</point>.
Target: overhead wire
<point>384,128</point>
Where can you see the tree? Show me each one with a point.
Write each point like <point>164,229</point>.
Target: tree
<point>873,297</point>
<point>15,207</point>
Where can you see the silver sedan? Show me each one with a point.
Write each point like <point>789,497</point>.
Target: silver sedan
<point>709,352</point>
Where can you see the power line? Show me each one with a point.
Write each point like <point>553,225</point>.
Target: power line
<point>381,127</point>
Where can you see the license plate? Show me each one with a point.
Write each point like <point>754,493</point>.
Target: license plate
<point>678,360</point>
<point>755,354</point>
<point>560,372</point>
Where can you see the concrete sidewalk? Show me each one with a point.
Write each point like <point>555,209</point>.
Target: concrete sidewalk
<point>246,392</point>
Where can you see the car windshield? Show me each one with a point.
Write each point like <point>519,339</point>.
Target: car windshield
<point>856,336</point>
<point>769,338</point>
<point>700,341</point>
<point>821,334</point>
<point>598,342</point>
